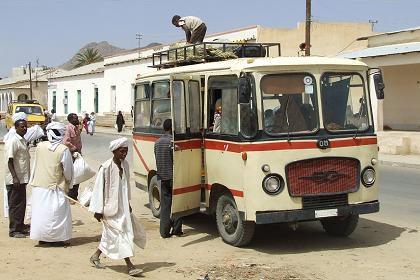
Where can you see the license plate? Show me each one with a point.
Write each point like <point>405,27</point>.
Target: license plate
<point>325,213</point>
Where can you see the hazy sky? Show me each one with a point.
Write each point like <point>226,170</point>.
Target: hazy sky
<point>52,31</point>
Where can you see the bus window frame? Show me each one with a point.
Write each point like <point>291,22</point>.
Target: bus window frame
<point>253,101</point>
<point>219,135</point>
<point>153,129</point>
<point>142,128</point>
<point>369,127</point>
<point>176,133</point>
<point>317,112</point>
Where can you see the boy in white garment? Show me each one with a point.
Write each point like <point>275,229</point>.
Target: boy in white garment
<point>110,203</point>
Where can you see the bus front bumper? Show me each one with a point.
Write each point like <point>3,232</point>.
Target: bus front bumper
<point>314,214</point>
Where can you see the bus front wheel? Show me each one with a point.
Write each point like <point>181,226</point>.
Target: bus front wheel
<point>230,225</point>
<point>154,196</point>
<point>340,226</point>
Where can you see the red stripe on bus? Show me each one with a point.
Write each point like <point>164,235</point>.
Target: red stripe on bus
<point>292,145</point>
<point>198,187</point>
<point>141,157</point>
<point>232,191</point>
<point>186,189</point>
<point>189,144</point>
<point>149,138</point>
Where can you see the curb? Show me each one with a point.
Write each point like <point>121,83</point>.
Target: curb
<point>399,164</point>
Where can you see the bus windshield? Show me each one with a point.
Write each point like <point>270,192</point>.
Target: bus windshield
<point>344,102</point>
<point>289,103</point>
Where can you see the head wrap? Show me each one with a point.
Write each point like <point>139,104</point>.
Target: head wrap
<point>19,116</point>
<point>118,143</point>
<point>52,135</point>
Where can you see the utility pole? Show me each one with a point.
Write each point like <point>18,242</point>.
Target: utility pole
<point>308,29</point>
<point>373,22</point>
<point>139,37</point>
<point>30,81</point>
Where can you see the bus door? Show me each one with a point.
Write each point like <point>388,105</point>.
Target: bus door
<point>187,155</point>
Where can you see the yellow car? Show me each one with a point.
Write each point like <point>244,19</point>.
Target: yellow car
<point>31,108</point>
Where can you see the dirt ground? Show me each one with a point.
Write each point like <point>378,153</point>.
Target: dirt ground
<point>379,249</point>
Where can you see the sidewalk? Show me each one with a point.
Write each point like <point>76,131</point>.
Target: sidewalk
<point>112,130</point>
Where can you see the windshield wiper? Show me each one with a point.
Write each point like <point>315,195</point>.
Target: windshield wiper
<point>362,102</point>
<point>287,118</point>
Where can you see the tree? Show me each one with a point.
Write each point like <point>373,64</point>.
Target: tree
<point>88,56</point>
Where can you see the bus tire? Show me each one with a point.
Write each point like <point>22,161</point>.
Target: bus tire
<point>154,196</point>
<point>231,227</point>
<point>340,226</point>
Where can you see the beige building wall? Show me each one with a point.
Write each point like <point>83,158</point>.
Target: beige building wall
<point>327,39</point>
<point>402,97</point>
<point>395,38</point>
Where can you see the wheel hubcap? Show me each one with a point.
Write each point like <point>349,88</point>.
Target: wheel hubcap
<point>156,197</point>
<point>229,219</point>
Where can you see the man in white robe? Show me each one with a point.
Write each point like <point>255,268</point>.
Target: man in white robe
<point>52,175</point>
<point>111,204</point>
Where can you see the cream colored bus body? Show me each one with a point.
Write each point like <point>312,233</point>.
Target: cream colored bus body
<point>224,165</point>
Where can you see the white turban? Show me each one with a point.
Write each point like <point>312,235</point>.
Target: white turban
<point>53,137</point>
<point>19,116</point>
<point>118,143</point>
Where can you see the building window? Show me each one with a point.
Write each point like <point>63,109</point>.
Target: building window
<point>22,97</point>
<point>96,100</point>
<point>54,101</point>
<point>113,98</point>
<point>79,101</point>
<point>65,102</point>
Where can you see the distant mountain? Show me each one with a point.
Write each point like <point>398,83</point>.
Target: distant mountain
<point>104,48</point>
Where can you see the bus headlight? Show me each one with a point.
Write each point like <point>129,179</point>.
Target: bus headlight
<point>368,176</point>
<point>273,184</point>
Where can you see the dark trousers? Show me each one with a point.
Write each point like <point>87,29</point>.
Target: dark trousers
<point>120,127</point>
<point>166,223</point>
<point>17,205</point>
<point>198,34</point>
<point>74,192</point>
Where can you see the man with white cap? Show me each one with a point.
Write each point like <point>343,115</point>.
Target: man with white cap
<point>111,204</point>
<point>51,178</point>
<point>16,153</point>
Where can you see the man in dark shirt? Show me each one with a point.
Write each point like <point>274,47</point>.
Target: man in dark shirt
<point>164,164</point>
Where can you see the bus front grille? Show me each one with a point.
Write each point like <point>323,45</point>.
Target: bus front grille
<point>324,202</point>
<point>323,176</point>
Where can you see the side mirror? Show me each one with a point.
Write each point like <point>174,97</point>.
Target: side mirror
<point>376,75</point>
<point>244,90</point>
<point>379,85</point>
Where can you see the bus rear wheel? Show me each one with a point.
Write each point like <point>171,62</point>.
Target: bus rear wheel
<point>230,225</point>
<point>340,226</point>
<point>154,196</point>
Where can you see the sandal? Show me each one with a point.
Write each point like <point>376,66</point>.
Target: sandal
<point>96,262</point>
<point>133,271</point>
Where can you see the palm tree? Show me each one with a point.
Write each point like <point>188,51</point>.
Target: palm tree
<point>88,56</point>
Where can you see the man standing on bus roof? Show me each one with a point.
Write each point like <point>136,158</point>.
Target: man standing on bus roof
<point>195,29</point>
<point>164,164</point>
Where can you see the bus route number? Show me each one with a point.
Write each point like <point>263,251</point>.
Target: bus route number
<point>323,144</point>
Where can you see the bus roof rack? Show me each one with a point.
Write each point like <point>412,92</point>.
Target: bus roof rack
<point>211,51</point>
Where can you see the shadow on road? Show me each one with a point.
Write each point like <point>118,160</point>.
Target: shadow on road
<point>82,240</point>
<point>147,267</point>
<point>308,237</point>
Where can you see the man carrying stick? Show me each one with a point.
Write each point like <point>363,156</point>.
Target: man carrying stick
<point>51,178</point>
<point>110,203</point>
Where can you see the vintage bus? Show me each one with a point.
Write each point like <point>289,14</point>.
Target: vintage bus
<point>263,140</point>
